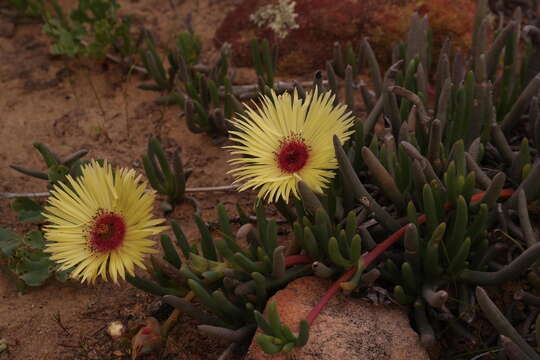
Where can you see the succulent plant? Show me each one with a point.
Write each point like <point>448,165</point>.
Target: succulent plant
<point>57,170</point>
<point>343,57</point>
<point>437,168</point>
<point>166,178</point>
<point>23,256</point>
<point>91,29</point>
<point>231,281</point>
<point>165,273</point>
<point>204,93</point>
<point>23,259</point>
<point>278,337</point>
<point>164,80</point>
<point>32,8</point>
<point>515,346</point>
<point>57,167</point>
<point>264,61</point>
<point>208,105</point>
<point>186,53</point>
<point>438,171</point>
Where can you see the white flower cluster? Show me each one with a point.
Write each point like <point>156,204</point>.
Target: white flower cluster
<point>280,17</point>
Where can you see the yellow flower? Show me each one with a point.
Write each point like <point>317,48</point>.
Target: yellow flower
<point>287,140</point>
<point>100,223</point>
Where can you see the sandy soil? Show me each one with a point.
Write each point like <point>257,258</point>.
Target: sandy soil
<point>72,105</point>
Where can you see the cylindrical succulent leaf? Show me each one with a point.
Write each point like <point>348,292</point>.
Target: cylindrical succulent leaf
<point>458,263</point>
<point>401,296</point>
<point>171,255</point>
<point>181,239</point>
<point>360,191</point>
<point>207,243</point>
<point>457,235</point>
<point>335,254</point>
<point>382,176</point>
<point>373,65</point>
<point>511,271</point>
<point>512,118</point>
<point>498,320</point>
<point>427,335</point>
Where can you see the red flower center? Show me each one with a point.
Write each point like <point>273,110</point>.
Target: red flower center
<point>293,154</point>
<point>107,232</point>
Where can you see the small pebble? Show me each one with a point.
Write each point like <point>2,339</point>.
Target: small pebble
<point>3,345</point>
<point>116,329</point>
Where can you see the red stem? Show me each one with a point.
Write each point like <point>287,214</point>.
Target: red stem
<point>382,247</point>
<point>331,292</point>
<point>375,253</point>
<point>297,260</point>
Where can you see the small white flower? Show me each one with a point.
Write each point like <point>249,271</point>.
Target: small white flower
<point>279,17</point>
<point>116,330</point>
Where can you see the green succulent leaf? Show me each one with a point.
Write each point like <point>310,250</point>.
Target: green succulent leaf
<point>27,209</point>
<point>9,241</point>
<point>35,240</point>
<point>34,273</point>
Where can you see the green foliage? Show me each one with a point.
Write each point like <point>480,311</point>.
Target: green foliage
<point>164,81</point>
<point>264,61</point>
<point>27,209</point>
<point>29,7</point>
<point>230,281</point>
<point>204,93</point>
<point>57,170</point>
<point>25,258</point>
<point>207,99</point>
<point>434,180</point>
<point>10,241</point>
<point>188,45</point>
<point>278,337</point>
<point>343,57</point>
<point>430,168</point>
<point>89,30</point>
<point>67,39</point>
<point>167,178</point>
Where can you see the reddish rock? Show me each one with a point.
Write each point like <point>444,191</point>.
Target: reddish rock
<point>346,329</point>
<point>7,29</point>
<point>245,76</point>
<point>323,22</point>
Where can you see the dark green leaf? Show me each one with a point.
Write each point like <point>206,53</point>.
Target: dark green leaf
<point>35,240</point>
<point>34,273</point>
<point>27,209</point>
<point>9,241</point>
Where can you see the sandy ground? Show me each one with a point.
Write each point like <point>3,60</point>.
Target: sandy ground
<point>71,105</point>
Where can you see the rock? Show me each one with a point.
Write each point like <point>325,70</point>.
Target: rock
<point>116,330</point>
<point>323,22</point>
<point>7,29</point>
<point>347,328</point>
<point>245,76</point>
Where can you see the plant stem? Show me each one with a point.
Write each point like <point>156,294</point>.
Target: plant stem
<point>173,318</point>
<point>8,195</point>
<point>499,321</point>
<point>297,260</point>
<point>527,298</point>
<point>509,272</point>
<point>375,253</point>
<point>335,287</point>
